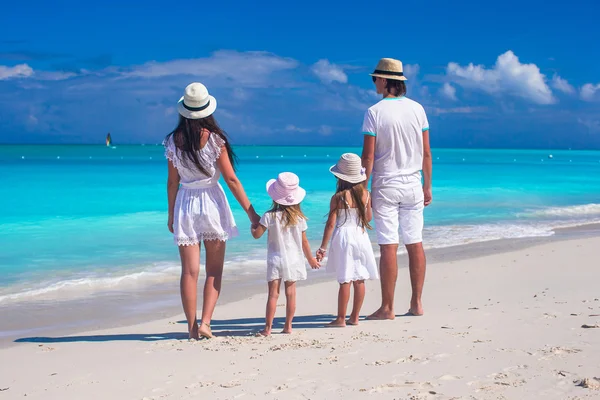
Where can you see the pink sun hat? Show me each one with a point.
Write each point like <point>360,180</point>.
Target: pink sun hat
<point>286,190</point>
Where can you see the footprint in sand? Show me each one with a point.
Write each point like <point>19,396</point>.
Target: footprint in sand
<point>278,388</point>
<point>410,358</point>
<point>589,383</point>
<point>388,387</point>
<point>231,384</point>
<point>449,378</point>
<point>559,351</point>
<point>379,363</point>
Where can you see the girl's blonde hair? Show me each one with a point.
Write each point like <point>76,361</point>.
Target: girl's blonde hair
<point>290,215</point>
<point>356,191</point>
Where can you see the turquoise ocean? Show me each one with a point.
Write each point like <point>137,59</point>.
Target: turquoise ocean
<point>77,219</point>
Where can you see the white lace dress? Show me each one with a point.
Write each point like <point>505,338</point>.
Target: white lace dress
<point>351,255</point>
<point>202,211</point>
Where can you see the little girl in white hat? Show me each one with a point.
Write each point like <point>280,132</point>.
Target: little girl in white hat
<point>351,255</point>
<point>287,245</point>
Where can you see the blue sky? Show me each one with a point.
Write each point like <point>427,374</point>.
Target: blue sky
<point>509,74</point>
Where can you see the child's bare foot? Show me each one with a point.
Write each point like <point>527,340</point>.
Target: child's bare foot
<point>337,323</point>
<point>204,330</point>
<point>193,333</point>
<point>264,333</point>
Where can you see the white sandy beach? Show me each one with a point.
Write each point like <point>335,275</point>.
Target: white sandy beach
<point>505,326</point>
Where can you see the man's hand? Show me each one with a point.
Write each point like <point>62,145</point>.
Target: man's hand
<point>427,197</point>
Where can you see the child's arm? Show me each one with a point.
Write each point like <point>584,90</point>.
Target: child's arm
<point>329,227</point>
<point>314,264</point>
<point>369,208</point>
<point>258,231</point>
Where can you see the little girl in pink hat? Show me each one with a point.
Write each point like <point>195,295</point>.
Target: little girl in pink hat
<point>287,245</point>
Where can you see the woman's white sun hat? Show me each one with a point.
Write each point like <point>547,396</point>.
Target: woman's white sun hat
<point>196,103</point>
<point>389,68</point>
<point>286,190</point>
<point>349,168</point>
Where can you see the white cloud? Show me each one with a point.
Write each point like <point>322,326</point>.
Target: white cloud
<point>592,124</point>
<point>325,130</point>
<point>448,91</point>
<point>328,72</point>
<point>562,85</point>
<point>54,75</point>
<point>294,128</point>
<point>508,75</point>
<point>588,91</point>
<point>411,70</point>
<point>18,71</point>
<point>250,69</point>
<point>457,110</point>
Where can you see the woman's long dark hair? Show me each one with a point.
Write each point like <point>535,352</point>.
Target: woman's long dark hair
<point>188,135</point>
<point>356,191</point>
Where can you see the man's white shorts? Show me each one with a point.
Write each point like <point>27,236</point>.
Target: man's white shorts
<point>399,209</point>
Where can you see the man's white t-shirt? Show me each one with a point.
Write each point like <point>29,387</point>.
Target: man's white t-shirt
<point>398,123</point>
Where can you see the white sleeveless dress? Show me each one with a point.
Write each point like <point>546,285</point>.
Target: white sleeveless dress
<point>350,252</point>
<point>202,211</point>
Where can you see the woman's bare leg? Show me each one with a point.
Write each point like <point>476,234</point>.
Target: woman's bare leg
<point>215,257</point>
<point>190,266</point>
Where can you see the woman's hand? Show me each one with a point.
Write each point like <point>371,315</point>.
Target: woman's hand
<point>170,224</point>
<point>253,216</point>
<point>314,264</point>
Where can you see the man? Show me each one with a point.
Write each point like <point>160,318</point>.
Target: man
<point>396,149</point>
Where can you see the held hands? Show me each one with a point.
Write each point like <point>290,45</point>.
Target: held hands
<point>427,197</point>
<point>321,254</point>
<point>314,264</point>
<point>254,217</point>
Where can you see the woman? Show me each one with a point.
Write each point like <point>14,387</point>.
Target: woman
<point>199,153</point>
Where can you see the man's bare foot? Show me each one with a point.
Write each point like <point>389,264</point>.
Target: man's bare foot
<point>204,330</point>
<point>264,333</point>
<point>193,333</point>
<point>381,315</point>
<point>336,323</point>
<point>287,330</point>
<point>416,309</point>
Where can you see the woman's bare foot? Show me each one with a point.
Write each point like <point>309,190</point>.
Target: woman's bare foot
<point>352,321</point>
<point>204,330</point>
<point>193,333</point>
<point>287,329</point>
<point>381,314</point>
<point>336,323</point>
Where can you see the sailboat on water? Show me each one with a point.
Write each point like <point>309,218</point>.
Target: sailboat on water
<point>108,140</point>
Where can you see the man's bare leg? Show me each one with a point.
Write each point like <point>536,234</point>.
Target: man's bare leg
<point>388,269</point>
<point>417,265</point>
